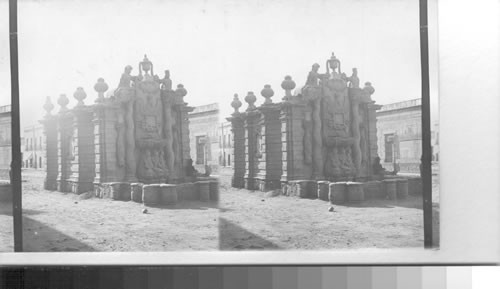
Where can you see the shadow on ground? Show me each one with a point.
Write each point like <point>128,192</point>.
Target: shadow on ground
<point>234,237</point>
<point>38,237</point>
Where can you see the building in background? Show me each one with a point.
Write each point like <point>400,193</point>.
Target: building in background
<point>399,134</point>
<point>5,141</point>
<point>204,136</point>
<point>226,153</point>
<point>33,147</point>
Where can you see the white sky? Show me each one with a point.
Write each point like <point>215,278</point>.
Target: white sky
<point>215,47</point>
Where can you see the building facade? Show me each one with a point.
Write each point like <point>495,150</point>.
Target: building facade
<point>204,135</point>
<point>33,147</point>
<point>399,134</point>
<point>226,153</point>
<point>5,141</point>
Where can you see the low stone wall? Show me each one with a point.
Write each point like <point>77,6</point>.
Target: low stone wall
<point>5,192</point>
<point>205,190</point>
<point>342,192</point>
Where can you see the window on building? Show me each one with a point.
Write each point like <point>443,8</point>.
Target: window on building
<point>389,147</point>
<point>229,160</point>
<point>39,162</point>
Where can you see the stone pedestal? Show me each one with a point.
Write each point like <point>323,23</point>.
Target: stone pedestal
<point>83,159</point>
<point>239,164</point>
<point>270,165</point>
<point>51,152</point>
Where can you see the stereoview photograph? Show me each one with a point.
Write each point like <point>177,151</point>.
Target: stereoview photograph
<point>218,125</point>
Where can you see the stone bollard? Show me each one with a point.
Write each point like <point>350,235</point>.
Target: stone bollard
<point>402,188</point>
<point>125,192</point>
<point>203,188</point>
<point>373,190</point>
<point>168,194</point>
<point>151,194</point>
<point>323,188</point>
<point>390,187</point>
<point>305,189</point>
<point>114,191</point>
<point>337,192</point>
<point>355,192</point>
<point>214,190</point>
<point>136,192</point>
<point>187,192</point>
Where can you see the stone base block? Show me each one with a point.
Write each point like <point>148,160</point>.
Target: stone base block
<point>187,192</point>
<point>238,182</point>
<point>337,192</point>
<point>304,189</point>
<point>50,185</point>
<point>267,185</point>
<point>168,194</point>
<point>136,192</point>
<point>203,187</point>
<point>214,190</point>
<point>62,186</point>
<point>415,186</point>
<point>250,184</point>
<point>80,187</point>
<point>402,188</point>
<point>151,194</point>
<point>390,187</point>
<point>323,188</point>
<point>355,192</point>
<point>6,192</point>
<point>374,190</point>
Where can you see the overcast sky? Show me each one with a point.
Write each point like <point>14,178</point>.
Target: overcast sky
<point>214,47</point>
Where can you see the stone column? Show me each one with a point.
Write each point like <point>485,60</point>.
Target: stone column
<point>355,95</point>
<point>251,142</point>
<point>238,129</point>
<point>51,158</point>
<point>83,160</point>
<point>372,122</point>
<point>64,141</point>
<point>292,134</point>
<point>270,166</point>
<point>182,123</point>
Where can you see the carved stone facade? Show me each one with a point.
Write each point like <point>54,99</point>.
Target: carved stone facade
<point>325,131</point>
<point>139,135</point>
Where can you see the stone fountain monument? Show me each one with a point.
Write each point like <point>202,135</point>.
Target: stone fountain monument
<point>134,141</point>
<point>319,137</point>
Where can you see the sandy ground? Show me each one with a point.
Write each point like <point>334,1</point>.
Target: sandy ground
<point>54,221</point>
<point>256,221</point>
